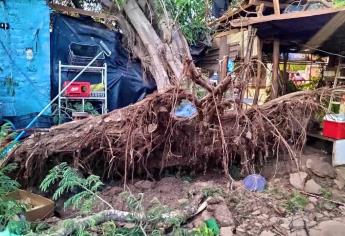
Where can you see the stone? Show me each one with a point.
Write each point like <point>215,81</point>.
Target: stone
<point>338,195</point>
<point>183,201</point>
<point>267,233</point>
<point>223,215</point>
<point>340,183</point>
<point>300,232</point>
<point>144,185</point>
<point>340,170</point>
<point>256,213</point>
<point>226,231</point>
<point>312,223</point>
<point>329,206</point>
<point>310,207</point>
<point>335,227</point>
<point>298,223</point>
<point>321,168</point>
<point>216,200</point>
<point>319,216</point>
<point>313,200</point>
<point>201,218</point>
<point>258,224</point>
<point>312,187</point>
<point>297,180</point>
<point>274,219</point>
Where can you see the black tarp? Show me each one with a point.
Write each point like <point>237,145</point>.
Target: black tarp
<point>125,83</point>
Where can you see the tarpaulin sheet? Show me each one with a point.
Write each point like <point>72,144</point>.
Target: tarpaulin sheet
<point>125,83</point>
<point>24,57</point>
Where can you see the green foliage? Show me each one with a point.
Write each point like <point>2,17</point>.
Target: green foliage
<point>339,3</point>
<point>191,16</point>
<point>10,208</point>
<point>68,179</point>
<point>326,193</point>
<point>211,192</point>
<point>297,202</point>
<point>203,230</point>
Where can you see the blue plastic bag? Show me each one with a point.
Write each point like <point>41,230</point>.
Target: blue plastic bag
<point>254,183</point>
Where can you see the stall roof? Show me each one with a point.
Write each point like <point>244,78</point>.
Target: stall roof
<point>319,29</point>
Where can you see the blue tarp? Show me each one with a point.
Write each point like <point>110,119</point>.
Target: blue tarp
<point>24,57</point>
<point>125,83</point>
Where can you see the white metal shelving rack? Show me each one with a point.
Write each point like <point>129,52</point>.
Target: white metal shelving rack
<point>100,96</point>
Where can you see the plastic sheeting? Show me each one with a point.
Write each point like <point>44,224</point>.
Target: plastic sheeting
<point>125,83</point>
<point>24,57</point>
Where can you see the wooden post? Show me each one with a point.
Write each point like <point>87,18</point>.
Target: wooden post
<point>276,7</point>
<point>285,76</point>
<point>275,69</point>
<point>224,68</point>
<point>223,55</point>
<point>258,74</point>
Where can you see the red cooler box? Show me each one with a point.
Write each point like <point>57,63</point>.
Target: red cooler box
<point>334,129</point>
<point>77,89</point>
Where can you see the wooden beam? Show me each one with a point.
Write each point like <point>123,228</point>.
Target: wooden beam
<point>275,69</point>
<point>276,7</point>
<point>288,16</point>
<point>71,10</point>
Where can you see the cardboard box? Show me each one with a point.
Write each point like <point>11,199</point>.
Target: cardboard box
<point>41,207</point>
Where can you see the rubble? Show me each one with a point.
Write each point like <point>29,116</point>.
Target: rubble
<point>297,180</point>
<point>320,168</point>
<point>312,187</point>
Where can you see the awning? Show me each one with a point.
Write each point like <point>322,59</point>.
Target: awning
<point>320,29</point>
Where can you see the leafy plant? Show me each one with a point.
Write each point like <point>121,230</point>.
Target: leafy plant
<point>69,179</point>
<point>297,202</point>
<point>203,230</point>
<point>339,3</point>
<point>211,192</point>
<point>10,208</point>
<point>191,16</point>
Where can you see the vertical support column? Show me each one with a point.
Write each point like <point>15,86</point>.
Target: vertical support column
<point>258,73</point>
<point>276,7</point>
<point>285,75</point>
<point>275,69</point>
<point>223,56</point>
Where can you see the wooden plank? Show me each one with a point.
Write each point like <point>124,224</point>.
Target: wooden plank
<point>276,7</point>
<point>288,16</point>
<point>72,10</point>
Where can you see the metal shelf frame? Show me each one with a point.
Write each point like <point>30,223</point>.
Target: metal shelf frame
<point>91,69</point>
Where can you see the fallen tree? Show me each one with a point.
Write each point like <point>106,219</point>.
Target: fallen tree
<point>146,137</point>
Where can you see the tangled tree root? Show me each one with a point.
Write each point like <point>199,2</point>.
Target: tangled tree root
<point>145,137</point>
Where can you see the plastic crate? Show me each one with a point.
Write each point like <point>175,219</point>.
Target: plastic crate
<point>334,129</point>
<point>82,54</point>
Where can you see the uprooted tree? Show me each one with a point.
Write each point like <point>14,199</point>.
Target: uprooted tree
<point>147,137</point>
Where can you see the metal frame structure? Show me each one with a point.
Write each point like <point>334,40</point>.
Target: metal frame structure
<point>90,69</point>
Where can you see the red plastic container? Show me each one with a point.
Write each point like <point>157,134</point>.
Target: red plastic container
<point>78,89</point>
<point>334,129</point>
